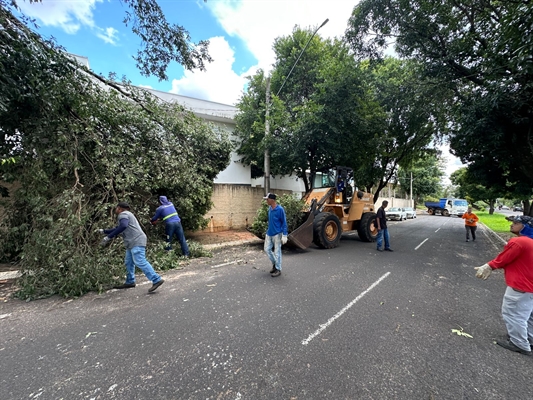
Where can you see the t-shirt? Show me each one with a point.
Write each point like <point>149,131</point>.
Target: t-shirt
<point>382,217</point>
<point>133,235</point>
<point>517,261</point>
<point>470,219</point>
<point>277,221</point>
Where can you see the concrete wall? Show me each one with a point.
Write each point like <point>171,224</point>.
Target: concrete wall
<point>235,206</point>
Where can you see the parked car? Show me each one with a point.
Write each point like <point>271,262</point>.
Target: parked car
<point>504,208</point>
<point>518,208</point>
<point>410,212</point>
<point>396,213</point>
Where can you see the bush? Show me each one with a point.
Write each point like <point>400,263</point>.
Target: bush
<point>293,211</point>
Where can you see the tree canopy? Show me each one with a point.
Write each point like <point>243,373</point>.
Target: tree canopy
<point>76,143</point>
<point>482,51</point>
<point>333,110</point>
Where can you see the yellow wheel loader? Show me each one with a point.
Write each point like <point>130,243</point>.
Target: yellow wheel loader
<point>334,207</point>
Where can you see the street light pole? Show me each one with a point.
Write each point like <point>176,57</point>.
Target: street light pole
<point>267,111</point>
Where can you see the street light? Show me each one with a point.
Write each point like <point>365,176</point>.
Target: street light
<point>267,111</point>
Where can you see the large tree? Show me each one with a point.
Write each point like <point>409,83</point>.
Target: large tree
<point>75,144</point>
<point>315,120</point>
<point>409,121</point>
<point>483,51</point>
<point>468,187</point>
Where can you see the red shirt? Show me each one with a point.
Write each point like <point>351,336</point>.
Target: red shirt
<point>517,261</point>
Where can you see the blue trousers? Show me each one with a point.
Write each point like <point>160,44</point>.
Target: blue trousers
<point>175,228</point>
<point>384,233</point>
<point>275,256</point>
<point>136,256</point>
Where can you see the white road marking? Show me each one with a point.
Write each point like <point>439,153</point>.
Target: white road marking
<point>332,319</point>
<point>425,240</point>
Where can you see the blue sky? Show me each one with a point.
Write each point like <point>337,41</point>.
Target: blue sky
<point>241,33</point>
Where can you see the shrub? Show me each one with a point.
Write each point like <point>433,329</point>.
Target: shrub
<point>293,211</point>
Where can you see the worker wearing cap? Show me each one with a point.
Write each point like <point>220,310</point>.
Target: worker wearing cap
<point>276,234</point>
<point>516,259</point>
<point>135,242</point>
<point>167,212</point>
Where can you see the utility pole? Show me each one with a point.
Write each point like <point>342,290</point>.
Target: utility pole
<point>267,110</point>
<point>267,133</point>
<point>411,190</point>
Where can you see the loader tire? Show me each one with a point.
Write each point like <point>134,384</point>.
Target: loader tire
<point>368,228</point>
<point>327,230</point>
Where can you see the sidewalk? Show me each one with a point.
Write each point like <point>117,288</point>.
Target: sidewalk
<point>209,240</point>
<point>214,240</point>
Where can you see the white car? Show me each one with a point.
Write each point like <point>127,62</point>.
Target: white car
<point>410,212</point>
<point>396,213</point>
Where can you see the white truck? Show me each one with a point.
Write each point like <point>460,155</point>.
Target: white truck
<point>447,207</point>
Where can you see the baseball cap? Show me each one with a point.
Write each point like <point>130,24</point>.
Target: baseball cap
<point>523,219</point>
<point>123,205</point>
<point>270,196</point>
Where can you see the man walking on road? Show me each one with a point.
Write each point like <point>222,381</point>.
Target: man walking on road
<point>383,232</point>
<point>135,242</point>
<point>276,234</point>
<point>470,224</point>
<point>516,259</point>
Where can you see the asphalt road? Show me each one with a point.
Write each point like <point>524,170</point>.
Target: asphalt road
<point>346,323</point>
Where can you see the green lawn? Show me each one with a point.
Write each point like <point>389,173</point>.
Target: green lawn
<point>496,222</point>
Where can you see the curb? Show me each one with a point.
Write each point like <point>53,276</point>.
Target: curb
<point>230,244</point>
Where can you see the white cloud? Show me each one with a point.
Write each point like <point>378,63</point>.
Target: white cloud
<point>219,82</point>
<point>108,35</point>
<point>258,23</point>
<point>67,15</point>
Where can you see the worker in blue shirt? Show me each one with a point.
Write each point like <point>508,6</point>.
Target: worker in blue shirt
<point>167,212</point>
<point>276,234</point>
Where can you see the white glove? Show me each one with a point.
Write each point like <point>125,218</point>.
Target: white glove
<point>100,230</point>
<point>105,241</point>
<point>483,272</point>
<point>284,239</point>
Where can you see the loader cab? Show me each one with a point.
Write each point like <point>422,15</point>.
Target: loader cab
<point>340,178</point>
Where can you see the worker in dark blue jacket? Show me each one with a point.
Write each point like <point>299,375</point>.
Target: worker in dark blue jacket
<point>167,212</point>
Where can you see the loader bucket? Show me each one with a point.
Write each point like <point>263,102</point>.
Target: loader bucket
<point>302,236</point>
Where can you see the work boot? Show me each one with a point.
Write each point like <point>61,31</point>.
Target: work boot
<point>273,269</point>
<point>156,285</point>
<point>507,344</point>
<point>124,286</point>
<point>277,272</point>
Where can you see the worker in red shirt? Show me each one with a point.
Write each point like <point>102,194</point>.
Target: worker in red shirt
<point>516,259</point>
